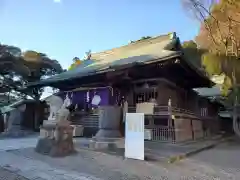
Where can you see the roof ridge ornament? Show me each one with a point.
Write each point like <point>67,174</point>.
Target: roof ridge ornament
<point>88,55</point>
<point>172,35</point>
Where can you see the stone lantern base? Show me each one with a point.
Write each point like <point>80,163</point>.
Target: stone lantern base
<point>109,123</point>
<point>108,133</point>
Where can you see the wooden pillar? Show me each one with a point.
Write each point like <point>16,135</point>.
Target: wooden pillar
<point>170,113</point>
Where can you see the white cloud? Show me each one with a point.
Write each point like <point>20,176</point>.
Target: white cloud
<point>57,1</point>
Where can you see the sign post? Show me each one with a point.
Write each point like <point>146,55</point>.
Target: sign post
<point>134,136</point>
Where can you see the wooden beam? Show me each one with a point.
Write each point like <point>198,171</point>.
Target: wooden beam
<point>160,80</point>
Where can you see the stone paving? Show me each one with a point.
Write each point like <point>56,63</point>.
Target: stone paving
<point>225,156</point>
<point>90,165</point>
<point>8,175</point>
<point>10,144</point>
<point>95,165</point>
<point>35,169</point>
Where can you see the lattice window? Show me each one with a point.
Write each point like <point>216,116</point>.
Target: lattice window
<point>145,96</point>
<point>204,112</point>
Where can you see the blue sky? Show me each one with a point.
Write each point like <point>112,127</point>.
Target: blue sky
<point>64,29</point>
<point>67,28</point>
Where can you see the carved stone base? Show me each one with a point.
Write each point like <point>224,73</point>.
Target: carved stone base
<point>59,145</point>
<point>46,133</point>
<point>107,134</point>
<point>48,129</point>
<point>49,122</point>
<point>44,146</point>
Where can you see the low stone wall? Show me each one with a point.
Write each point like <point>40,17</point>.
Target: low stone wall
<point>188,127</point>
<point>197,129</point>
<point>183,130</point>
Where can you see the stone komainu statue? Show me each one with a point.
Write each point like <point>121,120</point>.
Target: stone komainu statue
<point>55,103</point>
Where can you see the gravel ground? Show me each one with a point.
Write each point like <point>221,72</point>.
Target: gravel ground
<point>18,156</point>
<point>8,175</point>
<point>224,158</point>
<point>11,143</point>
<point>108,167</point>
<point>220,163</point>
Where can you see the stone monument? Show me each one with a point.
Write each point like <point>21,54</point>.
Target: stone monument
<point>14,121</point>
<point>56,138</point>
<point>108,135</point>
<point>109,122</point>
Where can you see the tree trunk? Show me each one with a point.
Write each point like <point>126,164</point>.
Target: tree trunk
<point>236,118</point>
<point>36,113</point>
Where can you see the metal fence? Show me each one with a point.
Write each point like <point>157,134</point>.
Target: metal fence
<point>165,134</point>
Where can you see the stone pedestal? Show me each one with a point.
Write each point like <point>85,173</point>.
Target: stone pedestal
<point>58,143</point>
<point>146,108</point>
<point>109,123</point>
<point>50,122</point>
<point>48,128</point>
<point>183,130</point>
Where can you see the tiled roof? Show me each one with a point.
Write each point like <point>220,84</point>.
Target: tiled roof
<point>155,46</point>
<point>141,51</point>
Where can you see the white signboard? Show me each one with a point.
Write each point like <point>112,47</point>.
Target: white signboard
<point>134,136</point>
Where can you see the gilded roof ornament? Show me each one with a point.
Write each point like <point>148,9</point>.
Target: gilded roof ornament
<point>88,55</point>
<point>172,35</point>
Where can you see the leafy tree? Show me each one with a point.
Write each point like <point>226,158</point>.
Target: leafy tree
<point>18,68</point>
<point>85,61</point>
<point>220,31</point>
<point>192,53</point>
<point>220,36</point>
<point>142,38</point>
<point>76,62</point>
<point>212,64</point>
<point>189,44</point>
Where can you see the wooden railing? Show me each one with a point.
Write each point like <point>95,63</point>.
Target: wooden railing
<point>180,110</point>
<point>131,109</point>
<point>164,110</point>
